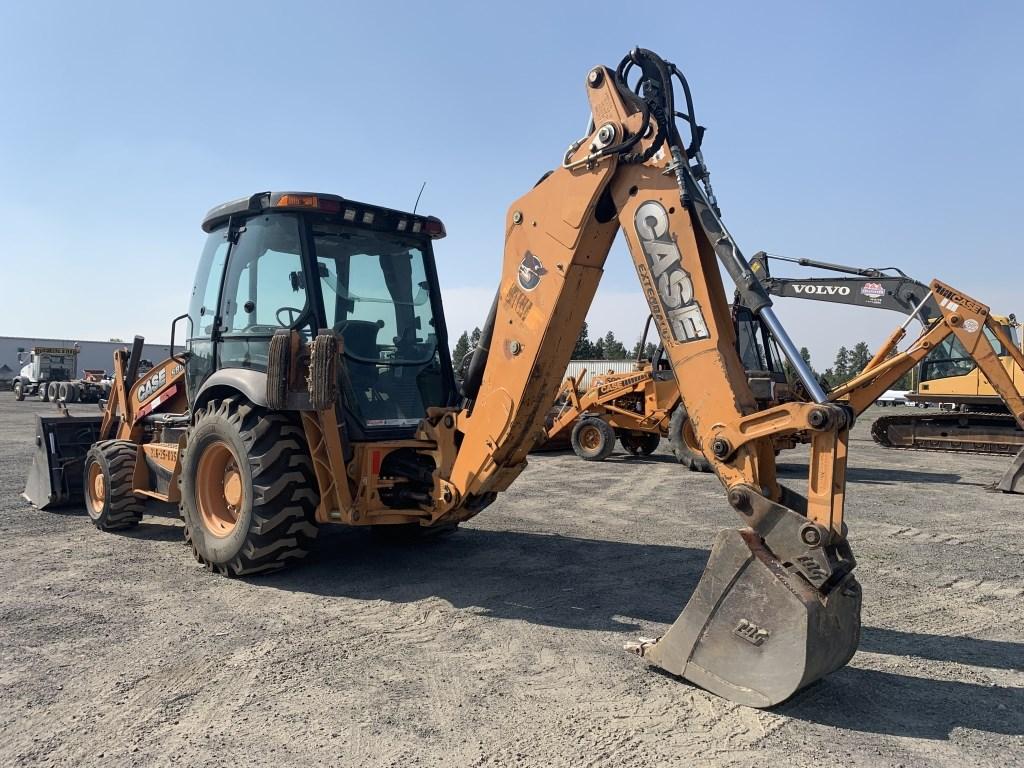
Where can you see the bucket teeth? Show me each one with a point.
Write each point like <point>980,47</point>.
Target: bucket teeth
<point>754,632</point>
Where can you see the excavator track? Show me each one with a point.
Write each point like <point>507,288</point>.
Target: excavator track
<point>992,433</point>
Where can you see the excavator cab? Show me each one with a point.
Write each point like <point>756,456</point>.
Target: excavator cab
<point>302,263</point>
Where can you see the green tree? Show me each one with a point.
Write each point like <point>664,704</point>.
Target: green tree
<point>583,350</point>
<point>597,350</point>
<point>860,356</point>
<point>461,348</point>
<point>613,348</point>
<point>647,353</point>
<point>841,366</point>
<point>474,338</point>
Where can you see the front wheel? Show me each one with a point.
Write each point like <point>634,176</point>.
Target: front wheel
<point>19,391</point>
<point>108,472</point>
<point>593,439</point>
<point>248,491</point>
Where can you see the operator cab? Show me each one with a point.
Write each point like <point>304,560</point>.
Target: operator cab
<point>307,262</point>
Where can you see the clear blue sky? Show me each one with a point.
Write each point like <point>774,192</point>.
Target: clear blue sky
<point>875,133</point>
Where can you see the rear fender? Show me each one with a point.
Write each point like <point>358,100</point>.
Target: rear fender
<point>233,381</point>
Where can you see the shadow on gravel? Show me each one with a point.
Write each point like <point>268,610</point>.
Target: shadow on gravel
<point>999,654</point>
<point>543,579</point>
<point>615,458</point>
<point>881,476</point>
<point>888,703</point>
<point>153,532</point>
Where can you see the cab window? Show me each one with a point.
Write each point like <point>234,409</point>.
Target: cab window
<point>265,287</point>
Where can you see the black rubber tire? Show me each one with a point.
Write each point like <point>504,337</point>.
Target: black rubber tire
<point>276,524</point>
<point>605,442</point>
<point>74,393</point>
<point>278,366</point>
<point>62,392</point>
<point>19,391</point>
<point>687,455</point>
<point>649,442</point>
<point>119,508</point>
<point>53,391</point>
<point>630,444</point>
<point>43,391</point>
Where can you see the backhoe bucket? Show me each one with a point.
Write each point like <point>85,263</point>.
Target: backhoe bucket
<point>755,633</point>
<point>55,477</point>
<point>1013,480</point>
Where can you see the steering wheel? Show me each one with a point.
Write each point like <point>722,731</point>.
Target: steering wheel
<point>293,315</point>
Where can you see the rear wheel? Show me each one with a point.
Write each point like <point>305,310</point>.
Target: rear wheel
<point>248,492</point>
<point>53,391</point>
<point>643,444</point>
<point>73,393</point>
<point>108,472</point>
<point>593,439</point>
<point>684,442</point>
<point>649,442</point>
<point>19,391</point>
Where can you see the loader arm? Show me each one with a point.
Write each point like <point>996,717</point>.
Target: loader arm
<point>778,606</point>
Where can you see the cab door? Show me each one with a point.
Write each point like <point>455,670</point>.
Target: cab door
<point>265,290</point>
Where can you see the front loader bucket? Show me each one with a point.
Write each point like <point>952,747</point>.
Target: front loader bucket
<point>755,633</point>
<point>55,477</point>
<point>1013,480</point>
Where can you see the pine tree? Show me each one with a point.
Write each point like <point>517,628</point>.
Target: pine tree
<point>860,356</point>
<point>461,348</point>
<point>474,338</point>
<point>841,366</point>
<point>613,348</point>
<point>583,350</point>
<point>597,350</point>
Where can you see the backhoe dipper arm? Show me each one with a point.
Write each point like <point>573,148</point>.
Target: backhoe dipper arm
<point>778,606</point>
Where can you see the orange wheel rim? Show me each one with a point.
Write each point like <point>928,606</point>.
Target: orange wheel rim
<point>590,438</point>
<point>97,488</point>
<point>220,493</point>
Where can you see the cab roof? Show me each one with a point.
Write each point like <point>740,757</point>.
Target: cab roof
<point>350,211</point>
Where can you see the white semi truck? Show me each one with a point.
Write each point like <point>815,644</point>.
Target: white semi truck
<point>51,373</point>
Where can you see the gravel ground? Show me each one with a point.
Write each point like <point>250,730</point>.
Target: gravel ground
<point>501,645</point>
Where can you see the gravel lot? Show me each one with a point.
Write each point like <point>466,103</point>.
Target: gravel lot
<point>501,645</point>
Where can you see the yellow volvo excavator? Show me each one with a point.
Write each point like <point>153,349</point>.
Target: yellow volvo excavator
<point>316,388</point>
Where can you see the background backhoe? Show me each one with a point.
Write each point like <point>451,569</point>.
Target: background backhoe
<point>978,374</point>
<point>316,387</point>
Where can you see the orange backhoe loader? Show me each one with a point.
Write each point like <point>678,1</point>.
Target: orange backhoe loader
<point>316,388</point>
